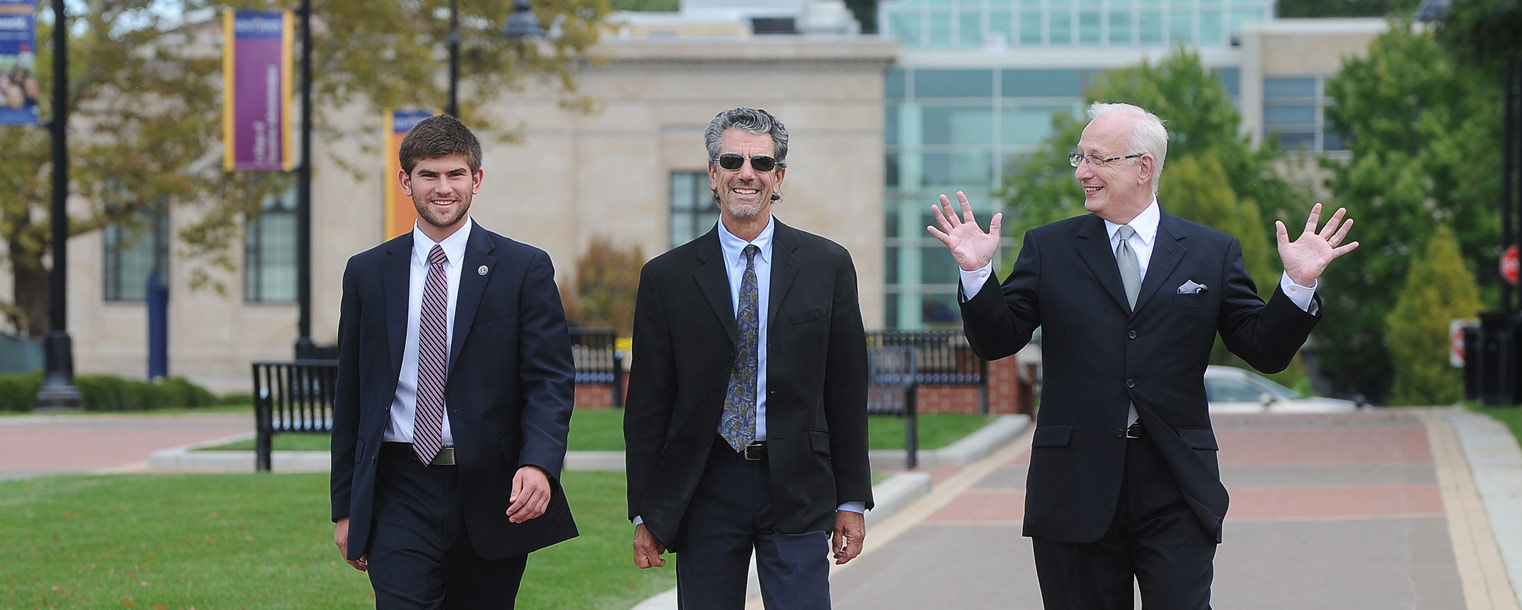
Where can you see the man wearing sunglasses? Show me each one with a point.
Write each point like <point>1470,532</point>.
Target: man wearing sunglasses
<point>745,424</point>
<point>1124,488</point>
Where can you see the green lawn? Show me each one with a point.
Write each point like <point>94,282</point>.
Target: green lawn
<point>258,541</point>
<point>602,430</point>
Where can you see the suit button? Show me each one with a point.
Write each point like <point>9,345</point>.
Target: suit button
<point>1131,334</point>
<point>1130,383</point>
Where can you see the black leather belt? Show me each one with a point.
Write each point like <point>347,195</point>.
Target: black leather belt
<point>445,456</point>
<point>754,452</point>
<point>1135,431</point>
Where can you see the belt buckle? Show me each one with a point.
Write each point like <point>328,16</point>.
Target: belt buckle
<point>760,452</point>
<point>1132,431</point>
<point>445,457</point>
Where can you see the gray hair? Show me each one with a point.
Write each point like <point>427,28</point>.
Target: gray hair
<point>1147,134</point>
<point>749,120</point>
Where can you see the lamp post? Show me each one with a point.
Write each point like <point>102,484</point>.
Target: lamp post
<point>523,23</point>
<point>304,346</point>
<point>58,392</point>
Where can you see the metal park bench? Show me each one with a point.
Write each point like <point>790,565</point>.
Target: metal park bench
<point>597,360</point>
<point>891,385</point>
<point>291,397</point>
<point>943,358</point>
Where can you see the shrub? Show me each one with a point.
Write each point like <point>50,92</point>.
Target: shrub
<point>108,393</point>
<point>1438,288</point>
<point>18,392</point>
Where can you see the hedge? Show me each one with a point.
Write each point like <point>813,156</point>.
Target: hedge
<point>108,393</point>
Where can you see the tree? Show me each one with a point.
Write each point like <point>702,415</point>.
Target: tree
<point>145,111</point>
<point>1345,8</point>
<point>1421,127</point>
<point>1438,288</point>
<point>1483,31</point>
<point>606,280</point>
<point>1197,190</point>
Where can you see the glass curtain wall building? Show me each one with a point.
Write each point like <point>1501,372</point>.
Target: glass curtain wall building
<point>976,88</point>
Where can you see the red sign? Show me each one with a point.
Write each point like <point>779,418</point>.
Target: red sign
<point>1509,264</point>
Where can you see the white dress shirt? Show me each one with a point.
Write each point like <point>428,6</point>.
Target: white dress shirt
<point>1145,225</point>
<point>404,404</point>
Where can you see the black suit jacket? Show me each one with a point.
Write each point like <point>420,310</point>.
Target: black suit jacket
<point>508,395</point>
<point>684,350</point>
<point>1098,357</point>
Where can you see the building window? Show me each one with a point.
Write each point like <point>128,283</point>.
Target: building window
<point>1294,112</point>
<point>692,210</point>
<point>269,251</point>
<point>135,248</point>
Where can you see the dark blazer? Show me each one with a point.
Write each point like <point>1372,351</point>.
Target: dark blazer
<point>508,393</point>
<point>816,380</point>
<point>1098,358</point>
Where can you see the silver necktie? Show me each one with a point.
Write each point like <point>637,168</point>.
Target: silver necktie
<point>1130,269</point>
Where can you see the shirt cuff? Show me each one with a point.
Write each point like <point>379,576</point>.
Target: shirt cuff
<point>855,507</point>
<point>638,520</point>
<point>973,281</point>
<point>1301,296</point>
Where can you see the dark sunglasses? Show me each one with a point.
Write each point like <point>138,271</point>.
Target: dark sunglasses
<point>760,163</point>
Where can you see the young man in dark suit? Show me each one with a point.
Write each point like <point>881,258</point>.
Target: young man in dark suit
<point>1124,484</point>
<point>454,396</point>
<point>746,423</point>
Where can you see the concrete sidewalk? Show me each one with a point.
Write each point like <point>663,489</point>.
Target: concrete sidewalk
<point>33,445</point>
<point>1384,508</point>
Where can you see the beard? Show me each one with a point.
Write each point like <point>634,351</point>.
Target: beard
<point>741,211</point>
<point>440,218</point>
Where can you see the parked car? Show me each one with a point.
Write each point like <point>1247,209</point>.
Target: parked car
<point>1233,390</point>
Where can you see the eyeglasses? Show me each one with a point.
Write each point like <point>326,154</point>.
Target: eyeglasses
<point>760,163</point>
<point>1096,161</point>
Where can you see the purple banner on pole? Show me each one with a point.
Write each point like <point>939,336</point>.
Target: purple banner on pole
<point>19,88</point>
<point>257,72</point>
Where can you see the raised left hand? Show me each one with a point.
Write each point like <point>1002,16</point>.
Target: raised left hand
<point>850,529</point>
<point>1306,257</point>
<point>531,494</point>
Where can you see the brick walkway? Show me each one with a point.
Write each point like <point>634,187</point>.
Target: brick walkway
<point>39,444</point>
<point>1327,511</point>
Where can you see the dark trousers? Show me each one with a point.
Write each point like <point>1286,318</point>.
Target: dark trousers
<point>420,556</point>
<point>730,517</point>
<point>1155,539</point>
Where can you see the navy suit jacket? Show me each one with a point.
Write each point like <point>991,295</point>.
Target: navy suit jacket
<point>816,382</point>
<point>508,393</point>
<point>1099,357</point>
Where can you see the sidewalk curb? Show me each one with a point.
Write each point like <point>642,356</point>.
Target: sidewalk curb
<point>1496,464</point>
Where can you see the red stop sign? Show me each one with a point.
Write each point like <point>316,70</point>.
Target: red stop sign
<point>1509,264</point>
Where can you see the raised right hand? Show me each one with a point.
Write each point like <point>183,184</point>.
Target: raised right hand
<point>969,245</point>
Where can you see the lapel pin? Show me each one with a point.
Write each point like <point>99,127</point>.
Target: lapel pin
<point>481,270</point>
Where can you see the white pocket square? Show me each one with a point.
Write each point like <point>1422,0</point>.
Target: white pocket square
<point>1189,287</point>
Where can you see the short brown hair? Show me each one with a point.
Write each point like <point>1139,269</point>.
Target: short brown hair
<point>439,136</point>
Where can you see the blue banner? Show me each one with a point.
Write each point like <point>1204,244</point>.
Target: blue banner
<point>19,89</point>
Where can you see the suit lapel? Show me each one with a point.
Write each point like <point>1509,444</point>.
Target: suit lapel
<point>478,254</point>
<point>1094,249</point>
<point>396,276</point>
<point>784,266</point>
<point>713,281</point>
<point>1166,254</point>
